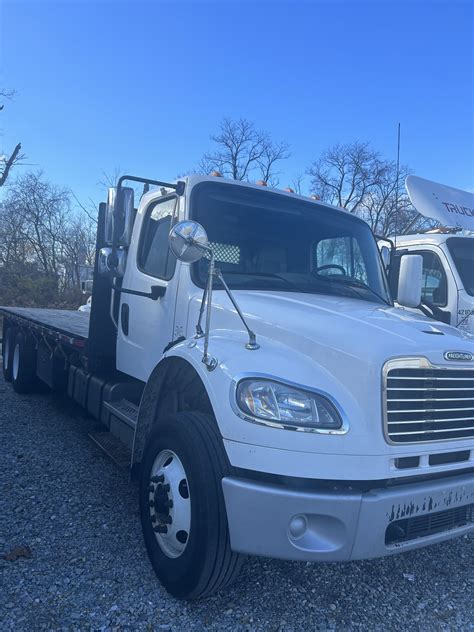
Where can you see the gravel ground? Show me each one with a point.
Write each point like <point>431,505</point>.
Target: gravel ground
<point>78,514</point>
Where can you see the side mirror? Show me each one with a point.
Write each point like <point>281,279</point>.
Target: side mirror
<point>119,216</point>
<point>112,264</point>
<point>188,241</point>
<point>410,280</point>
<point>386,255</point>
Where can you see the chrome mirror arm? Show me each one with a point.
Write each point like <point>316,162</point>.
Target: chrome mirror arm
<point>252,344</point>
<point>208,360</point>
<point>199,331</point>
<point>206,305</point>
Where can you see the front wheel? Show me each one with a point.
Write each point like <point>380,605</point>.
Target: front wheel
<point>182,507</point>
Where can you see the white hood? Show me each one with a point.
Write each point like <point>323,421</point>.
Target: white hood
<point>313,324</point>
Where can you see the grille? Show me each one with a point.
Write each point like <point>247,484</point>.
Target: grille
<point>429,524</point>
<point>429,404</point>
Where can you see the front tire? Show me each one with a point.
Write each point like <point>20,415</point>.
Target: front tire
<point>182,506</point>
<point>23,364</point>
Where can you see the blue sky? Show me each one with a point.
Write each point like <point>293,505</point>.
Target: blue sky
<point>141,86</point>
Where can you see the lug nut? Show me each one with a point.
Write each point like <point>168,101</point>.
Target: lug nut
<point>157,479</point>
<point>151,488</point>
<point>165,487</point>
<point>160,528</point>
<point>167,519</point>
<point>153,518</point>
<point>168,503</point>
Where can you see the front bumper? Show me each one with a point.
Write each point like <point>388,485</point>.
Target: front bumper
<point>330,525</point>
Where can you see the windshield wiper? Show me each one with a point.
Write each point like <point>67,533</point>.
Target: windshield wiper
<point>269,275</point>
<point>354,283</point>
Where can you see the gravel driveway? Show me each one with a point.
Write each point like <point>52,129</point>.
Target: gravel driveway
<point>78,514</point>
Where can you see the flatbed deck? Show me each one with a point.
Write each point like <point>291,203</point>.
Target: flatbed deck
<point>69,323</point>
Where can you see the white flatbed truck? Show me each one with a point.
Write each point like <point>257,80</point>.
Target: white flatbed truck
<point>259,381</point>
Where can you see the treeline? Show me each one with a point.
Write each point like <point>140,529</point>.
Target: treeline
<point>47,246</point>
<point>47,238</point>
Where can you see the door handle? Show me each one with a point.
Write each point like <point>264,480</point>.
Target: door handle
<point>156,291</point>
<point>124,317</point>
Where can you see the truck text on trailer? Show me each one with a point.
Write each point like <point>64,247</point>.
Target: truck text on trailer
<point>246,361</point>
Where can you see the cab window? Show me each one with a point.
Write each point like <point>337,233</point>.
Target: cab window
<point>154,256</point>
<point>340,255</point>
<point>435,287</point>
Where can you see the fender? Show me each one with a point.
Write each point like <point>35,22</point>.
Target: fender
<point>160,399</point>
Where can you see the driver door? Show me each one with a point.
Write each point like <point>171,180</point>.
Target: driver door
<point>145,326</point>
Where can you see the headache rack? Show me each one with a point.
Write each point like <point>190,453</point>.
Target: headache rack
<point>423,402</point>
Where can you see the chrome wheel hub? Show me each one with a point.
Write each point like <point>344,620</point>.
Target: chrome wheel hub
<point>169,503</point>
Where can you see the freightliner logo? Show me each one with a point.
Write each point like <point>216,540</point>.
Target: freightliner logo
<point>463,356</point>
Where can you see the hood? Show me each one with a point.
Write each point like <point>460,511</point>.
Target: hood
<point>320,326</point>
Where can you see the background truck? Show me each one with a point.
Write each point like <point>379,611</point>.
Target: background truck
<point>448,254</point>
<point>247,363</point>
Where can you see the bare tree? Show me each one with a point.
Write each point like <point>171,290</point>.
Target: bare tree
<point>355,177</point>
<point>345,174</point>
<point>297,183</point>
<point>8,162</point>
<point>45,212</point>
<point>48,246</point>
<point>78,251</point>
<point>387,207</point>
<point>243,152</point>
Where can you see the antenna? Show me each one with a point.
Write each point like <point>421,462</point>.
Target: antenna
<point>397,184</point>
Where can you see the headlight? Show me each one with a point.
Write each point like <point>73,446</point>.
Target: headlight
<point>286,405</point>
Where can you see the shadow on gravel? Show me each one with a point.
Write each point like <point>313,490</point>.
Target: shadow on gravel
<point>78,514</point>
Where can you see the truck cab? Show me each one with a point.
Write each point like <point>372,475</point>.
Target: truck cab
<point>244,348</point>
<point>448,274</point>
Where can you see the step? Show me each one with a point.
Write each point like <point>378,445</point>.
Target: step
<point>113,447</point>
<point>124,410</point>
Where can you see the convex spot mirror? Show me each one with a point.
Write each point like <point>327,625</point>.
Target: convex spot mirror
<point>188,241</point>
<point>410,280</point>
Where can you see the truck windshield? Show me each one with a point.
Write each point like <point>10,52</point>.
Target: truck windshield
<point>265,241</point>
<point>462,252</point>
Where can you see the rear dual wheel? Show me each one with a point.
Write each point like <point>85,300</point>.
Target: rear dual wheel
<point>22,360</point>
<point>182,507</point>
<point>7,348</point>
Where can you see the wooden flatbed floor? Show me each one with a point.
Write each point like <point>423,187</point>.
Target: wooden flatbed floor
<point>68,322</point>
